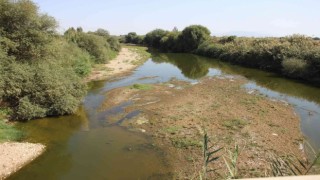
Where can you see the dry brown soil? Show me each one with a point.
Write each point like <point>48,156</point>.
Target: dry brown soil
<point>122,64</point>
<point>176,114</point>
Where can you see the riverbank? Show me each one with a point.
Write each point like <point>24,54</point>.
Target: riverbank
<point>176,114</point>
<point>14,155</point>
<point>127,60</point>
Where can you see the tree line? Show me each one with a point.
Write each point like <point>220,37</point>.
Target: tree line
<point>41,71</point>
<point>295,56</point>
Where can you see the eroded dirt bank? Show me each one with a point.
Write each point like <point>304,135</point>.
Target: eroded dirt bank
<point>176,114</point>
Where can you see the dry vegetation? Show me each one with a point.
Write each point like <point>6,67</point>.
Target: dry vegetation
<point>177,114</point>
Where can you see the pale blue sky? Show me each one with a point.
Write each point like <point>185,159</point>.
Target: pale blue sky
<point>222,17</point>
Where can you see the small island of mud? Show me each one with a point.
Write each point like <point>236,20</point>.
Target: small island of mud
<point>176,115</point>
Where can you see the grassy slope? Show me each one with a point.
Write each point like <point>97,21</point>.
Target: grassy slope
<point>7,131</point>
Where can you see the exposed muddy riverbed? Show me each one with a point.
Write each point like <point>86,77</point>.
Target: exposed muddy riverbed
<point>86,146</point>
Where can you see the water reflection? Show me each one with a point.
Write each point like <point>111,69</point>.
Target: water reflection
<point>191,66</point>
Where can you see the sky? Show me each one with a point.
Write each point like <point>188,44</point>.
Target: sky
<point>222,17</point>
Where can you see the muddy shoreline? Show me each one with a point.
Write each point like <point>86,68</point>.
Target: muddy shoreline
<point>176,114</point>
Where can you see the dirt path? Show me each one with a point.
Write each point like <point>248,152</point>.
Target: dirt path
<point>126,61</point>
<point>175,115</point>
<point>13,156</point>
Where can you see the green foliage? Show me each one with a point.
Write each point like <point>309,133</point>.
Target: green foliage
<point>40,89</point>
<point>231,163</point>
<point>172,129</point>
<point>28,110</point>
<point>141,86</point>
<point>169,42</point>
<point>153,38</point>
<point>186,41</point>
<point>114,43</point>
<point>209,156</point>
<point>133,38</point>
<point>227,39</point>
<point>71,35</point>
<point>185,143</point>
<point>9,133</point>
<point>99,44</point>
<point>24,31</point>
<point>294,56</point>
<point>68,54</point>
<point>235,124</point>
<point>102,32</point>
<point>40,71</point>
<point>192,36</point>
<point>96,46</point>
<point>294,67</point>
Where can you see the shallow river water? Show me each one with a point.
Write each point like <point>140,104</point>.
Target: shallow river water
<point>85,146</point>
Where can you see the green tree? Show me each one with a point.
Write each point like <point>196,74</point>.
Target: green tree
<point>133,38</point>
<point>154,37</point>
<point>102,32</point>
<point>26,30</point>
<point>71,35</point>
<point>192,36</point>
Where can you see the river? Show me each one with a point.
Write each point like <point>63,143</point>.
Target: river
<point>85,146</point>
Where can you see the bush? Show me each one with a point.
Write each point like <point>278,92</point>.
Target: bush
<point>96,46</point>
<point>153,38</point>
<point>41,89</point>
<point>296,56</point>
<point>68,54</point>
<point>28,110</point>
<point>133,38</point>
<point>294,67</point>
<point>26,31</point>
<point>40,71</point>
<point>99,44</point>
<point>192,36</point>
<point>169,43</point>
<point>114,43</point>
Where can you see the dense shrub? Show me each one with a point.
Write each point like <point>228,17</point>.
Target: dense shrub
<point>153,38</point>
<point>97,47</point>
<point>133,38</point>
<point>26,32</point>
<point>68,54</point>
<point>40,71</point>
<point>186,41</point>
<point>295,56</point>
<point>294,67</point>
<point>99,44</point>
<point>169,42</point>
<point>112,41</point>
<point>41,89</point>
<point>192,36</point>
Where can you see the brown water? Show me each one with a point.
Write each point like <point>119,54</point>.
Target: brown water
<point>87,146</point>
